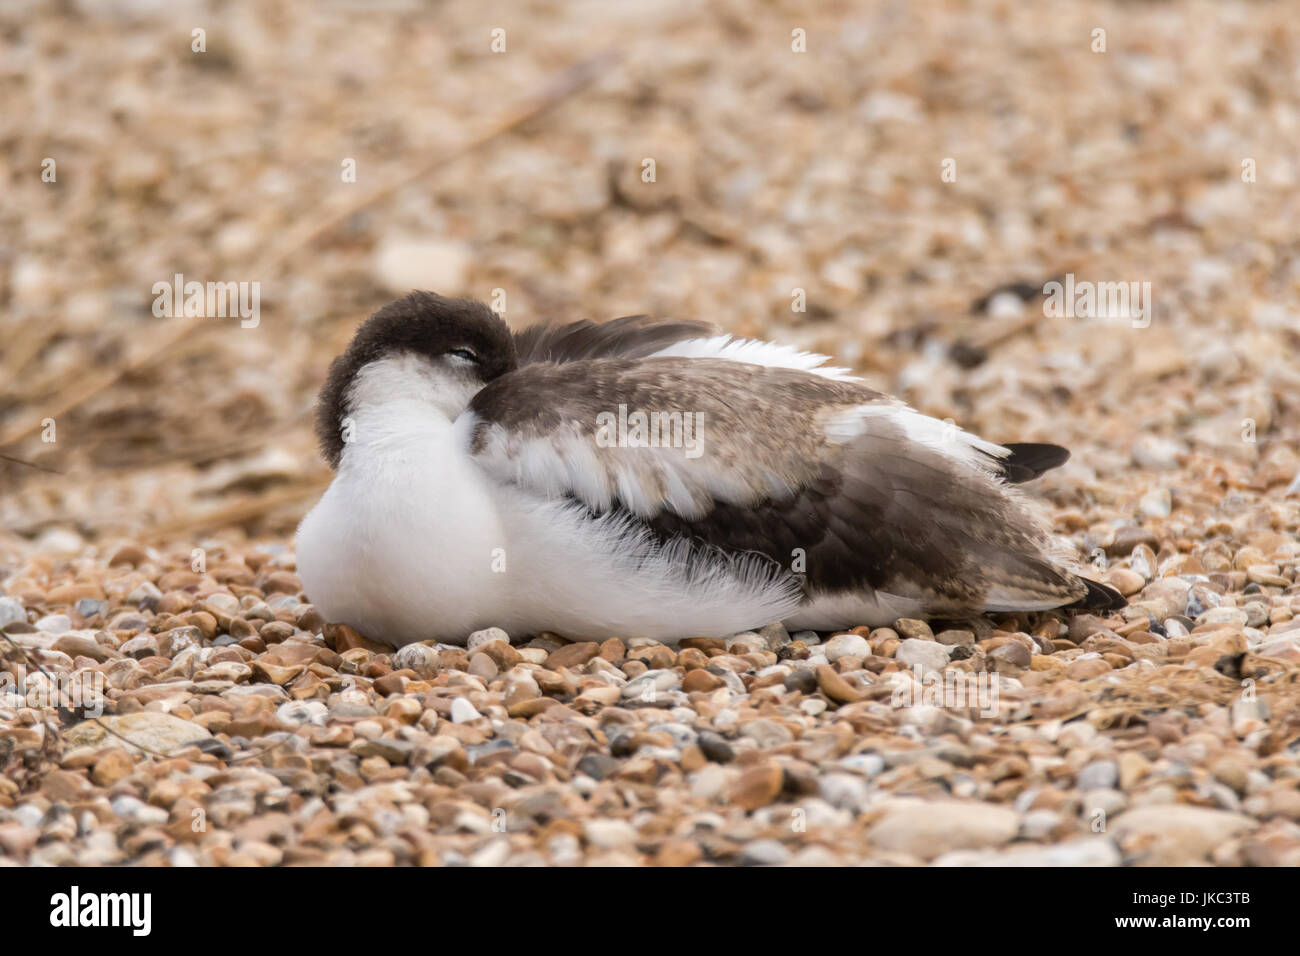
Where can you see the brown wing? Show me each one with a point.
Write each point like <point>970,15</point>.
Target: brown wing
<point>825,478</point>
<point>726,431</point>
<point>886,513</point>
<point>633,336</point>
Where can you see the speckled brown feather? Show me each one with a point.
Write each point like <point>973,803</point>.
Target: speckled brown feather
<point>880,512</point>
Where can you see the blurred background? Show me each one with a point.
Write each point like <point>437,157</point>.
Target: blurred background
<point>917,170</point>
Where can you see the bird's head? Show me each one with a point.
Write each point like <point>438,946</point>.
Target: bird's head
<point>423,349</point>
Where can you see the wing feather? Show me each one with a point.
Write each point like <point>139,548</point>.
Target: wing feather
<point>825,477</point>
<point>632,336</point>
<point>568,428</point>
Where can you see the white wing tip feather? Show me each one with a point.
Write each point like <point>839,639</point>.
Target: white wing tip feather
<point>757,352</point>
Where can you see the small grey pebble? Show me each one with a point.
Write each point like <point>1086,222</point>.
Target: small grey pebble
<point>1099,775</point>
<point>715,748</point>
<point>764,853</point>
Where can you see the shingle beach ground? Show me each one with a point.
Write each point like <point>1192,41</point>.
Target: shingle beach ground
<point>916,175</point>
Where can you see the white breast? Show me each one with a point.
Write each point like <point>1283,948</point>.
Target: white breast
<point>413,541</point>
<point>401,545</point>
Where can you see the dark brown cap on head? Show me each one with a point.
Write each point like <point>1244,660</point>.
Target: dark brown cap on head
<point>422,323</point>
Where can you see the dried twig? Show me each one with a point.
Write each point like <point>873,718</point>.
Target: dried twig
<point>238,512</point>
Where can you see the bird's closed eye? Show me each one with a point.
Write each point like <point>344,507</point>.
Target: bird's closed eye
<point>466,354</point>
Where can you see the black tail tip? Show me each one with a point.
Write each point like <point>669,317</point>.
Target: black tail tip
<point>1100,597</point>
<point>1028,460</point>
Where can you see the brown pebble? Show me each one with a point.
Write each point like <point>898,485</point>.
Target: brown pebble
<point>700,680</point>
<point>1128,538</point>
<point>525,709</point>
<point>281,582</point>
<point>308,618</point>
<point>345,638</point>
<point>757,787</point>
<point>572,655</point>
<point>72,593</point>
<point>64,786</point>
<point>389,684</point>
<point>678,853</point>
<point>275,632</point>
<point>955,638</point>
<point>655,656</point>
<point>76,645</point>
<point>705,644</point>
<point>836,687</point>
<point>131,554</point>
<point>501,654</point>
<point>113,765</point>
<point>1088,669</point>
<point>911,627</point>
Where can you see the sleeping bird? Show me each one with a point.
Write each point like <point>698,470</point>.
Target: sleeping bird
<point>651,478</point>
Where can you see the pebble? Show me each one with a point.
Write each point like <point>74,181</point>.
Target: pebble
<point>610,834</point>
<point>485,636</point>
<point>463,712</point>
<point>1156,503</point>
<point>1223,615</point>
<point>80,645</point>
<point>10,611</point>
<point>765,853</point>
<point>1099,775</point>
<point>492,854</point>
<point>1012,653</point>
<point>135,810</point>
<point>927,654</point>
<point>420,658</point>
<point>836,687</point>
<point>955,638</point>
<point>925,829</point>
<point>650,685</point>
<point>913,629</point>
<point>572,655</point>
<point>846,645</point>
<point>716,748</point>
<point>1040,824</point>
<point>757,787</point>
<point>147,729</point>
<point>54,624</point>
<point>1127,581</point>
<point>846,791</point>
<point>1157,454</point>
<point>111,766</point>
<point>300,712</point>
<point>747,643</point>
<point>866,764</point>
<point>1176,834</point>
<point>766,733</point>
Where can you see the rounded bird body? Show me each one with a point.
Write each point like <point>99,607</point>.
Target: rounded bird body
<point>656,479</point>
